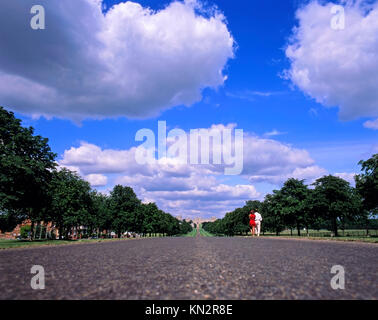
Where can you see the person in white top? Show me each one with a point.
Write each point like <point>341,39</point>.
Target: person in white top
<point>258,220</point>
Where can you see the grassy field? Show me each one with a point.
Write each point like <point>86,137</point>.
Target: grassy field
<point>9,244</point>
<point>327,233</point>
<point>192,233</point>
<point>204,233</point>
<point>353,235</point>
<point>359,239</point>
<point>347,235</point>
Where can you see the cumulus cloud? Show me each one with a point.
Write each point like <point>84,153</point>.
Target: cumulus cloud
<point>251,95</point>
<point>309,174</point>
<point>164,181</point>
<point>348,176</point>
<point>96,180</point>
<point>131,61</point>
<point>371,124</point>
<point>189,189</point>
<point>268,160</point>
<point>273,133</point>
<point>337,67</point>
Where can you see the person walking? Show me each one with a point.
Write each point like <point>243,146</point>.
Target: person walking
<point>252,221</point>
<point>258,219</point>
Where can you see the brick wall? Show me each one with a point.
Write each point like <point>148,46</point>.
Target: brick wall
<point>17,231</point>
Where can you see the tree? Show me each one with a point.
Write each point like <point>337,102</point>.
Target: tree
<point>367,183</point>
<point>71,201</point>
<point>101,218</point>
<point>253,204</point>
<point>8,221</point>
<point>367,187</point>
<point>185,227</point>
<point>123,203</point>
<point>294,210</point>
<point>272,209</point>
<point>334,200</point>
<point>26,163</point>
<point>151,218</point>
<point>172,225</point>
<point>235,222</point>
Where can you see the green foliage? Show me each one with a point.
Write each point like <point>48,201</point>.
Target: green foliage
<point>25,231</point>
<point>367,184</point>
<point>100,213</point>
<point>185,227</point>
<point>31,187</point>
<point>235,222</point>
<point>331,204</point>
<point>272,208</point>
<point>70,201</point>
<point>335,200</point>
<point>123,203</point>
<point>8,221</point>
<point>295,211</point>
<point>26,162</point>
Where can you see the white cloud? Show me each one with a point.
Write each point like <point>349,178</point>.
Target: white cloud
<point>371,124</point>
<point>348,176</point>
<point>164,181</point>
<point>132,61</point>
<point>250,95</point>
<point>268,160</point>
<point>309,174</point>
<point>313,112</point>
<point>96,180</point>
<point>92,159</point>
<point>192,189</point>
<point>273,133</point>
<point>337,67</point>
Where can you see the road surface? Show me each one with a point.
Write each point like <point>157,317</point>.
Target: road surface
<point>192,268</point>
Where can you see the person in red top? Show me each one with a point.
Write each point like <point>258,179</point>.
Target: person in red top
<point>252,222</point>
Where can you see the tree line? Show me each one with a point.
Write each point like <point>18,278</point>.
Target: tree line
<point>329,203</point>
<point>33,187</point>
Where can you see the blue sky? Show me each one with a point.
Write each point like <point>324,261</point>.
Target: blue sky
<point>281,116</point>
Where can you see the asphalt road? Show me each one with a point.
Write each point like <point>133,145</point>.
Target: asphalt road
<point>192,268</point>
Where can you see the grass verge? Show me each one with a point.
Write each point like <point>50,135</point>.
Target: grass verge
<point>204,233</point>
<point>192,233</point>
<point>10,244</point>
<point>345,239</point>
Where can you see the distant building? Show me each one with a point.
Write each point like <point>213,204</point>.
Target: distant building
<point>198,221</point>
<point>11,235</point>
<point>16,232</point>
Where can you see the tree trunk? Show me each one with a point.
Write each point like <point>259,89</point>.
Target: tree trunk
<point>40,231</point>
<point>32,231</point>
<point>334,225</point>
<point>299,230</point>
<point>367,227</point>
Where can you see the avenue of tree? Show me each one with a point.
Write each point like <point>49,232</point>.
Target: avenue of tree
<point>329,203</point>
<point>33,187</point>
